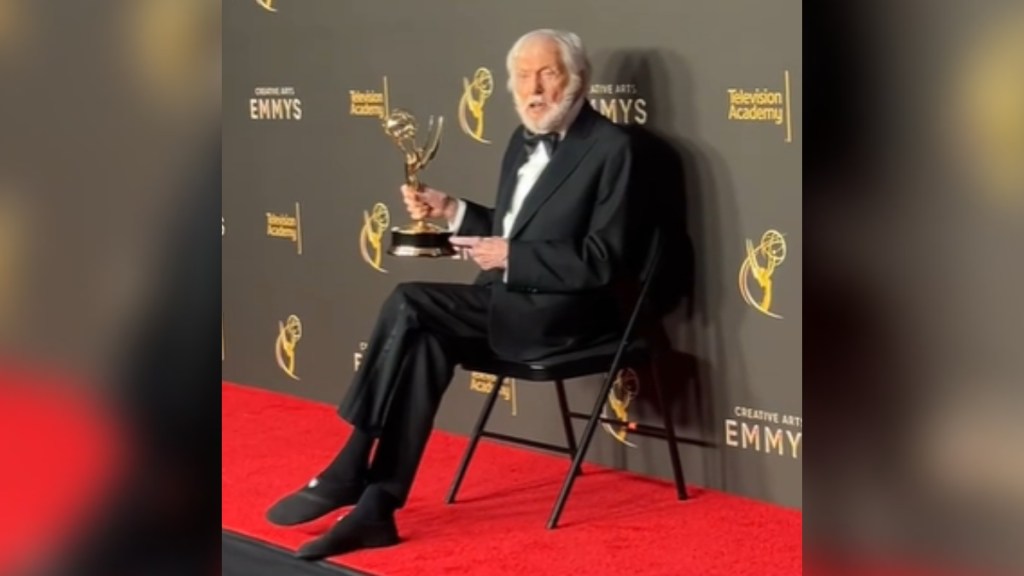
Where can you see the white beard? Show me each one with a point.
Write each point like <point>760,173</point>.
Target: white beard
<point>555,118</point>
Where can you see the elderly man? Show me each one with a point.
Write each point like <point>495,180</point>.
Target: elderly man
<point>551,252</point>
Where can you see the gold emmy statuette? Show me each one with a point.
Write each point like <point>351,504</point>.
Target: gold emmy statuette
<point>419,238</point>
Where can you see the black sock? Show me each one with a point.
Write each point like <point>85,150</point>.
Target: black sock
<point>370,524</point>
<point>375,505</point>
<point>352,462</point>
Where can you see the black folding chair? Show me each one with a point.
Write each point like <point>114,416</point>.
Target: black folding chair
<point>629,351</point>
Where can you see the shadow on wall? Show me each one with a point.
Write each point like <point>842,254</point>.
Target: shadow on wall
<point>690,195</point>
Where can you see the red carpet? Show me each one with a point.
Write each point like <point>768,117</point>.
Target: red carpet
<point>614,523</point>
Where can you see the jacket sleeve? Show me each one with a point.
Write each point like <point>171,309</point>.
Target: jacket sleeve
<point>579,264</point>
<point>477,220</point>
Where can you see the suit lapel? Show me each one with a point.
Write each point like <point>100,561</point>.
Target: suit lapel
<point>568,155</point>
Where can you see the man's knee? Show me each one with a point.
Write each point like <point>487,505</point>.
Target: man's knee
<point>433,304</point>
<point>403,298</point>
<point>407,291</point>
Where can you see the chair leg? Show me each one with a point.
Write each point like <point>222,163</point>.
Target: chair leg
<point>481,423</point>
<point>577,461</point>
<point>563,406</point>
<point>670,431</point>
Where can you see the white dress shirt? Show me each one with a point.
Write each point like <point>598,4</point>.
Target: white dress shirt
<point>526,178</point>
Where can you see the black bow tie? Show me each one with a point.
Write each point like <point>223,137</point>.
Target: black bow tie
<point>550,141</point>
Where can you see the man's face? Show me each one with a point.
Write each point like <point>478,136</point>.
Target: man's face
<point>540,85</point>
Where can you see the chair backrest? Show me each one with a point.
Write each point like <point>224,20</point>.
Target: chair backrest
<point>652,260</point>
<point>649,275</point>
<point>670,268</point>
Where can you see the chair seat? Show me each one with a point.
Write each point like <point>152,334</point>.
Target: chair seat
<point>574,364</point>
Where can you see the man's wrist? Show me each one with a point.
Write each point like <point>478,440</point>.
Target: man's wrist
<point>450,209</point>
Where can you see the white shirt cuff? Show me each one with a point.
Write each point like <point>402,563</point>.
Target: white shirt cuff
<point>460,213</point>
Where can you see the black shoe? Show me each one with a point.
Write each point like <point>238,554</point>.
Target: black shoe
<point>313,501</point>
<point>351,533</point>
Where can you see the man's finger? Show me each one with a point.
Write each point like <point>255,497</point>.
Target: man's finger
<point>467,241</point>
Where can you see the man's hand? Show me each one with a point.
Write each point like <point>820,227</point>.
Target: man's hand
<point>488,252</point>
<point>428,203</point>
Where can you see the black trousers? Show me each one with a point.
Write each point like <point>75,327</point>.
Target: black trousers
<point>423,331</point>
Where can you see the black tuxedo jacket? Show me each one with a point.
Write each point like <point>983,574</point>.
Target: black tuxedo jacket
<point>569,246</point>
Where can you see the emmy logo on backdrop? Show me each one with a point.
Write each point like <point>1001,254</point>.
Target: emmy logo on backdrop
<point>289,334</point>
<point>267,5</point>
<point>471,106</point>
<point>625,388</point>
<point>375,223</point>
<point>419,238</point>
<point>760,265</point>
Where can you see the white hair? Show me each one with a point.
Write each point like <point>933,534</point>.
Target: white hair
<point>574,56</point>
